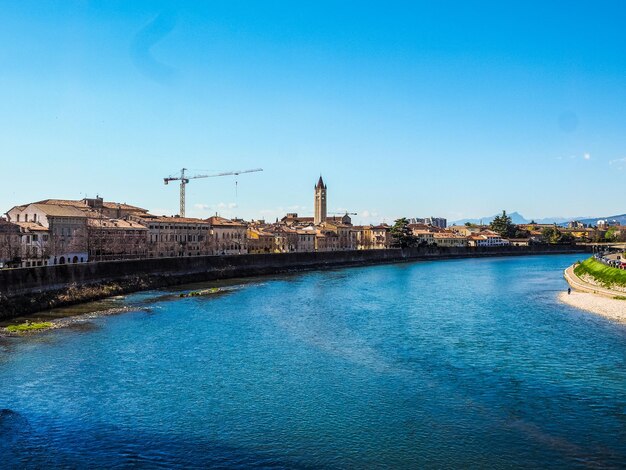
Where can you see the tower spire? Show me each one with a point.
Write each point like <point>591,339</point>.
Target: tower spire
<point>320,183</point>
<point>319,215</point>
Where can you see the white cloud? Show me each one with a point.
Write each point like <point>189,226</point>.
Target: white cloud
<point>202,207</point>
<point>227,205</point>
<point>619,163</point>
<point>368,214</point>
<point>584,156</point>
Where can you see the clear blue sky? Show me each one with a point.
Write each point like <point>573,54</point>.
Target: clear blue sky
<point>441,108</point>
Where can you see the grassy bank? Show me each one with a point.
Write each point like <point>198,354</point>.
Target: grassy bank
<point>28,326</point>
<point>604,275</point>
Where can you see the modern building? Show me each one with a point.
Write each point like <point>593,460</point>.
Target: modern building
<point>437,222</point>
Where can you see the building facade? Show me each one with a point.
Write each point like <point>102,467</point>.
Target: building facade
<point>10,244</point>
<point>178,236</point>
<point>229,236</point>
<point>66,237</point>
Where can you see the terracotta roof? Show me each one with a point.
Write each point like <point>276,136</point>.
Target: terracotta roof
<point>297,219</point>
<point>56,210</point>
<point>448,235</point>
<point>82,204</point>
<point>114,224</point>
<point>123,206</point>
<point>174,220</point>
<point>261,233</point>
<point>221,221</point>
<point>31,226</point>
<point>7,227</point>
<point>62,202</point>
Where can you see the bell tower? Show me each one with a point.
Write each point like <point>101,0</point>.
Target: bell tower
<point>320,202</point>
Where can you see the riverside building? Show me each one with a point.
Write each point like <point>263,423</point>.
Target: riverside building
<point>63,232</point>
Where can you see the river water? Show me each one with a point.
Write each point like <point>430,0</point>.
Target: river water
<point>463,363</point>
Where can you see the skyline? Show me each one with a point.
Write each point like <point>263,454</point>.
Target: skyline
<point>406,111</point>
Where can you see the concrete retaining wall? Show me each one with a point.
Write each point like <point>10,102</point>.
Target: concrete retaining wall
<point>27,290</point>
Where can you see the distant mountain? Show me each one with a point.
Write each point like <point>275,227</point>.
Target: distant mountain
<point>517,218</point>
<point>593,220</point>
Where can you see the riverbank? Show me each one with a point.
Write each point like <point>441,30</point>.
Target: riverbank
<point>614,309</point>
<point>30,290</point>
<point>28,329</point>
<point>594,298</point>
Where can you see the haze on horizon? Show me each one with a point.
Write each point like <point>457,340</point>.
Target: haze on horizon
<point>406,108</point>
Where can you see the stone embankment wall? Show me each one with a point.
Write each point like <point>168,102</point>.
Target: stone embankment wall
<point>28,290</point>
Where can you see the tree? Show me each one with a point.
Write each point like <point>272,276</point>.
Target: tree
<point>503,226</point>
<point>401,234</point>
<point>611,235</point>
<point>553,236</point>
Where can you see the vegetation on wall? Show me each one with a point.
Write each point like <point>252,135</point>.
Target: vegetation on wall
<point>603,274</point>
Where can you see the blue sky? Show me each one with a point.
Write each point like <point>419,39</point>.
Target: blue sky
<point>454,109</point>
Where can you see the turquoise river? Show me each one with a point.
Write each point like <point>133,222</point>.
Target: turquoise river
<point>447,364</point>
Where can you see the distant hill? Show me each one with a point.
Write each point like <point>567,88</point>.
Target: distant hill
<point>517,218</point>
<point>592,221</point>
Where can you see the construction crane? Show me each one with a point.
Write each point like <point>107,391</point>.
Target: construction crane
<point>342,213</point>
<point>184,179</point>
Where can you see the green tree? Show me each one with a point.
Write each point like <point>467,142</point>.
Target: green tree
<point>401,234</point>
<point>611,235</point>
<point>503,226</point>
<point>553,235</point>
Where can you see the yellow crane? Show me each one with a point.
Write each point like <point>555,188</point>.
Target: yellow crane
<point>184,179</point>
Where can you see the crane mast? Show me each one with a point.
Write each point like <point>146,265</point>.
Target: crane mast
<point>184,180</point>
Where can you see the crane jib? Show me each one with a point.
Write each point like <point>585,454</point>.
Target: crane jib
<point>184,179</point>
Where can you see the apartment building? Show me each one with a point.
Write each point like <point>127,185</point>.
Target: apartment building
<point>65,227</point>
<point>177,236</point>
<point>229,236</point>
